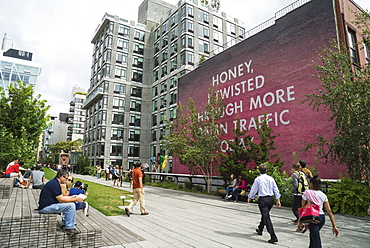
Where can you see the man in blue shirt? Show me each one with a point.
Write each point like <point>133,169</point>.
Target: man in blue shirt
<point>52,201</point>
<point>266,187</point>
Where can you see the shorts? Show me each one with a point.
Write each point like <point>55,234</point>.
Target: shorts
<point>81,205</point>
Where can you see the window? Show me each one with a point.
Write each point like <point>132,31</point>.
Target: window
<point>134,135</point>
<point>217,37</point>
<point>173,81</point>
<point>156,47</point>
<point>190,11</point>
<point>156,61</point>
<point>203,31</point>
<point>121,58</point>
<point>173,48</point>
<point>137,76</point>
<point>165,27</point>
<point>135,105</point>
<point>183,11</point>
<point>154,105</point>
<point>190,25</point>
<point>230,28</point>
<point>163,86</point>
<point>217,22</point>
<point>107,56</point>
<point>157,34</point>
<point>190,58</point>
<point>155,75</point>
<point>164,55</point>
<point>118,118</point>
<point>139,35</point>
<point>134,151</point>
<point>352,43</point>
<point>173,97</point>
<point>135,120</point>
<point>136,91</point>
<point>164,70</point>
<point>138,62</point>
<point>163,117</point>
<point>203,16</point>
<point>119,89</point>
<point>117,134</point>
<point>163,101</point>
<point>203,46</point>
<point>230,41</point>
<point>123,30</point>
<point>122,44</point>
<point>174,33</point>
<point>367,53</point>
<point>172,113</point>
<point>139,48</point>
<point>108,42</point>
<point>190,42</point>
<point>164,41</point>
<point>155,90</point>
<point>173,64</point>
<point>162,133</point>
<point>154,119</point>
<point>118,103</point>
<point>241,32</point>
<point>116,150</point>
<point>120,73</point>
<point>154,134</point>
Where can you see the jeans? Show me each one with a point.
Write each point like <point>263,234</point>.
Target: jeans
<point>68,211</point>
<point>98,175</point>
<point>236,193</point>
<point>229,190</point>
<point>315,240</point>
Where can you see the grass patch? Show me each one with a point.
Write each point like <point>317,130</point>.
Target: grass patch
<point>103,198</point>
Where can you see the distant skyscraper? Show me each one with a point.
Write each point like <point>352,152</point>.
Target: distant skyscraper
<point>76,118</point>
<point>134,73</point>
<point>17,65</point>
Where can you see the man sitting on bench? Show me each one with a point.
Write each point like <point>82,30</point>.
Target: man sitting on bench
<point>52,201</point>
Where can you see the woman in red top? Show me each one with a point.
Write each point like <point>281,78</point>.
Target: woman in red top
<point>13,171</point>
<point>242,185</point>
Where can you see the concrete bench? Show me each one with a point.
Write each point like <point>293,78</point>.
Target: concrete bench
<point>21,225</point>
<point>6,187</point>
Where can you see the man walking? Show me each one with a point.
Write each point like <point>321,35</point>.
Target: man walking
<point>138,189</point>
<point>52,201</point>
<point>266,187</point>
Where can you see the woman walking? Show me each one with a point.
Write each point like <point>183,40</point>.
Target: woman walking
<point>315,196</point>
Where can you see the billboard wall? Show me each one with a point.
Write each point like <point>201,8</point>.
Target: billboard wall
<point>270,73</point>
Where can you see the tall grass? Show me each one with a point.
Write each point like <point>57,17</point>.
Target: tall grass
<point>103,198</point>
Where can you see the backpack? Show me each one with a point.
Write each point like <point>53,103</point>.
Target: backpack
<point>302,182</point>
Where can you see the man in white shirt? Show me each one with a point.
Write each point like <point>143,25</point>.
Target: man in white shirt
<point>266,187</point>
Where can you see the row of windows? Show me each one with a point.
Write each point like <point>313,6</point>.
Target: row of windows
<point>115,150</point>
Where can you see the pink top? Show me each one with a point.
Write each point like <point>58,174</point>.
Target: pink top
<point>242,184</point>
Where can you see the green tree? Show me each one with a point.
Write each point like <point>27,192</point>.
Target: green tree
<point>245,149</point>
<point>66,146</point>
<point>195,136</point>
<point>345,91</point>
<point>22,119</point>
<point>83,163</point>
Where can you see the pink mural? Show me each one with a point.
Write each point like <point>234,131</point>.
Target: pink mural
<point>270,73</point>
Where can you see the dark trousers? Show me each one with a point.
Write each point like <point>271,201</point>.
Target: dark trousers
<point>265,204</point>
<point>315,240</point>
<point>297,203</point>
<point>236,193</point>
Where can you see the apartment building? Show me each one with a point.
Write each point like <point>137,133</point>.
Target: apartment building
<point>135,70</point>
<point>17,65</point>
<point>76,117</point>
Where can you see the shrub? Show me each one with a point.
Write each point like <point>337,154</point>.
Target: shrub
<point>349,196</point>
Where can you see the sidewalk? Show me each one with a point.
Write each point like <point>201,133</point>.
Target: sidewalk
<point>182,219</point>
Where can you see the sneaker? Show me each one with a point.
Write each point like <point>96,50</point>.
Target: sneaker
<point>259,232</point>
<point>127,212</point>
<point>273,240</point>
<point>145,213</point>
<point>71,231</point>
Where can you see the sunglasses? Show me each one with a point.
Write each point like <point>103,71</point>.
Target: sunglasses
<point>70,180</point>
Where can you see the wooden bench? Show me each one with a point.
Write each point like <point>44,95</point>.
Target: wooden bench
<point>23,226</point>
<point>6,187</point>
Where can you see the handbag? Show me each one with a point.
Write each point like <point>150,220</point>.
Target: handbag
<point>310,213</point>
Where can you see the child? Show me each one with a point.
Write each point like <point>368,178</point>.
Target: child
<point>76,190</point>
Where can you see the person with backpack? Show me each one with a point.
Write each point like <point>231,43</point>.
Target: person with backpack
<point>305,170</point>
<point>299,185</point>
